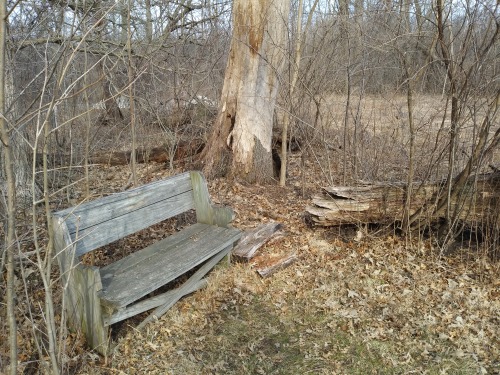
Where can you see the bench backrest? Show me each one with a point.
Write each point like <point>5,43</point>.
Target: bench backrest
<point>105,220</point>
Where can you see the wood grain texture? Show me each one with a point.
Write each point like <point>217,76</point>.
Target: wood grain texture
<point>252,240</point>
<point>86,283</point>
<point>81,286</point>
<point>96,298</point>
<point>277,265</point>
<point>206,212</point>
<point>476,202</point>
<point>100,222</point>
<point>143,272</point>
<point>150,303</point>
<point>198,275</point>
<point>67,261</point>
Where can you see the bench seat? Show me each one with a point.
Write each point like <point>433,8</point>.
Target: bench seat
<point>143,272</point>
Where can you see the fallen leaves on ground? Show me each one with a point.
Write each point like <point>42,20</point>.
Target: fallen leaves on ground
<point>370,304</point>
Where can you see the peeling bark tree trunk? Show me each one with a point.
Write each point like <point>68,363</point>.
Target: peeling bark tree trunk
<point>240,143</point>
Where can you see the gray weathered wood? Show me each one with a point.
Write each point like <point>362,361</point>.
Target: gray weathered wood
<point>123,203</point>
<point>206,212</point>
<point>86,285</point>
<point>198,275</point>
<point>96,298</point>
<point>150,303</point>
<point>130,279</point>
<point>98,223</point>
<point>252,240</point>
<point>81,287</point>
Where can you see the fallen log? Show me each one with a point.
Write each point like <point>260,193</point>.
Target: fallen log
<point>156,154</point>
<point>143,155</point>
<point>381,203</point>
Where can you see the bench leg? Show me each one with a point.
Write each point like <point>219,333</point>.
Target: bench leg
<point>84,307</point>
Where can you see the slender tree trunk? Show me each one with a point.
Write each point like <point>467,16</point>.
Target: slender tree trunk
<point>87,126</point>
<point>411,157</point>
<point>299,40</point>
<point>240,142</point>
<point>131,95</point>
<point>149,22</point>
<point>449,62</point>
<point>112,110</point>
<point>11,196</point>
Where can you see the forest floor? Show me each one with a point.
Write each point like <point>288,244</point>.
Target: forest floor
<point>354,303</point>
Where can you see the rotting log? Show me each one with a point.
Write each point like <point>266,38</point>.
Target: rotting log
<point>157,154</point>
<point>479,201</point>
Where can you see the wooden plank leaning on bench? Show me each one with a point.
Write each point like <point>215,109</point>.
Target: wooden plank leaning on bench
<point>96,298</point>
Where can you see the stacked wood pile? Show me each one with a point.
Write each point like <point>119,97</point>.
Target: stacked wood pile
<point>479,201</point>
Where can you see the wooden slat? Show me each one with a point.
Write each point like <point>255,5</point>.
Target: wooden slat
<point>150,303</point>
<point>119,204</point>
<point>108,219</point>
<point>120,227</point>
<point>136,258</point>
<point>172,257</point>
<point>186,286</point>
<point>252,240</point>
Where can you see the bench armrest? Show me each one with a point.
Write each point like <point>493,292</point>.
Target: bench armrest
<point>222,215</point>
<point>206,212</point>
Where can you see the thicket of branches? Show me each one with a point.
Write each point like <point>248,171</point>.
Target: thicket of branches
<point>81,77</point>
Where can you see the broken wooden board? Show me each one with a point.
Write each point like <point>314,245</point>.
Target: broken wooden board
<point>185,288</point>
<point>254,239</point>
<point>271,266</point>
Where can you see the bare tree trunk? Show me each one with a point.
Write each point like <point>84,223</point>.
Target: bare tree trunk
<point>112,110</point>
<point>345,54</point>
<point>411,156</point>
<point>149,22</point>
<point>448,60</point>
<point>295,75</point>
<point>240,142</point>
<point>11,197</point>
<point>131,95</point>
<point>87,126</point>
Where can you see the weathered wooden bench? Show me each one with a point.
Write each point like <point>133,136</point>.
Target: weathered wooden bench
<point>96,298</point>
